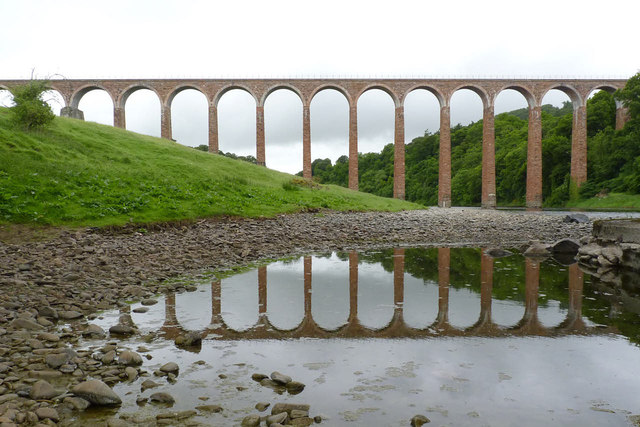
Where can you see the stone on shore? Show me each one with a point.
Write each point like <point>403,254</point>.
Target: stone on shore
<point>97,393</point>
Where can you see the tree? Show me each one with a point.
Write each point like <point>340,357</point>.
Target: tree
<point>30,111</point>
<point>630,97</point>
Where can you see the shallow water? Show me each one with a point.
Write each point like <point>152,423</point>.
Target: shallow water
<point>380,336</point>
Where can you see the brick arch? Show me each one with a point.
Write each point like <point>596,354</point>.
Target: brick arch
<point>480,91</point>
<point>225,89</point>
<point>338,88</point>
<point>437,93</point>
<point>382,87</point>
<point>278,86</point>
<point>77,95</point>
<point>126,93</point>
<point>181,88</point>
<point>570,91</point>
<point>524,91</point>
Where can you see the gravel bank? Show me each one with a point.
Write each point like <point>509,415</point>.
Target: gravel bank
<point>104,266</point>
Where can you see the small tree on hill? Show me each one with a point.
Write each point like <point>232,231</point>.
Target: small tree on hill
<point>30,111</point>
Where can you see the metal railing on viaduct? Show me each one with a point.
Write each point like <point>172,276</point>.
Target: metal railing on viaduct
<point>533,90</point>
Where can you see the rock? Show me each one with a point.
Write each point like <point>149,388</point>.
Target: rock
<point>130,358</point>
<point>277,387</point>
<point>191,339</point>
<point>148,301</point>
<point>120,329</point>
<point>297,413</point>
<point>209,408</point>
<point>498,252</point>
<point>419,420</point>
<point>251,421</point>
<point>288,407</point>
<point>49,312</point>
<point>49,337</point>
<point>56,360</point>
<point>140,309</point>
<point>295,387</point>
<point>77,403</point>
<point>147,384</point>
<point>280,378</point>
<point>22,323</point>
<point>565,246</point>
<point>613,254</point>
<point>576,218</point>
<point>536,249</point>
<point>131,373</point>
<point>93,331</point>
<point>48,413</point>
<point>262,406</point>
<point>281,418</point>
<point>162,397</point>
<point>97,393</point>
<point>302,421</point>
<point>258,377</point>
<point>109,357</point>
<point>42,390</point>
<point>170,368</point>
<point>8,397</point>
<point>70,315</point>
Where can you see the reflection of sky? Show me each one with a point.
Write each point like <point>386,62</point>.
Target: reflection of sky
<point>506,381</point>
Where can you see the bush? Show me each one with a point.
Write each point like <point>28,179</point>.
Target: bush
<point>30,111</point>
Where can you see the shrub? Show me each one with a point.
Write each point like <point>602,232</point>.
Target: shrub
<point>30,111</point>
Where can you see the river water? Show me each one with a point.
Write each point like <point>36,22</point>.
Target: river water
<point>378,337</point>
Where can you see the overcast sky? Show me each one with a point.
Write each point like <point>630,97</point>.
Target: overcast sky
<point>212,39</point>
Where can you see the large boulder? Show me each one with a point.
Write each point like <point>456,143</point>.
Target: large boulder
<point>97,393</point>
<point>576,218</point>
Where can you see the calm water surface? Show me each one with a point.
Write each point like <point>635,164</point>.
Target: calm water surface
<point>378,337</point>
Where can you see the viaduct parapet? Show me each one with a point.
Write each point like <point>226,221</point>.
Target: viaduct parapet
<point>533,91</point>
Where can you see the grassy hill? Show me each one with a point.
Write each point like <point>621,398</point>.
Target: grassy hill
<point>79,173</point>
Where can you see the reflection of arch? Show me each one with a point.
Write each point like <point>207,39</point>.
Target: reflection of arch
<point>396,328</point>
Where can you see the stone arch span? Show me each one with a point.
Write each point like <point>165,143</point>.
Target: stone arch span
<point>169,99</point>
<point>335,87</point>
<point>126,93</point>
<point>77,95</point>
<point>232,86</point>
<point>279,86</point>
<point>437,93</point>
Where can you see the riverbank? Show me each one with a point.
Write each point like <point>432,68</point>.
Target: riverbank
<point>104,264</point>
<point>52,287</point>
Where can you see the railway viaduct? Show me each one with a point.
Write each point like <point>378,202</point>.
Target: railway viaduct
<point>533,91</point>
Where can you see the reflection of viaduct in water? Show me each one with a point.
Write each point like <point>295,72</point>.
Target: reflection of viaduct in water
<point>397,328</point>
<point>533,91</point>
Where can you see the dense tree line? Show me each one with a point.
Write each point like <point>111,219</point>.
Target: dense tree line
<point>613,156</point>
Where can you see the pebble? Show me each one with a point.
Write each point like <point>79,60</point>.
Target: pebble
<point>97,393</point>
<point>170,368</point>
<point>130,358</point>
<point>209,408</point>
<point>419,420</point>
<point>280,378</point>
<point>48,413</point>
<point>251,421</point>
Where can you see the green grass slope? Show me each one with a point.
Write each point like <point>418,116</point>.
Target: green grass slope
<point>79,173</point>
<point>612,201</point>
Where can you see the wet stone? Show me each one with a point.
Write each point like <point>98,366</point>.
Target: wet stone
<point>131,373</point>
<point>170,368</point>
<point>148,301</point>
<point>122,330</point>
<point>97,393</point>
<point>130,358</point>
<point>259,377</point>
<point>281,418</point>
<point>140,309</point>
<point>209,408</point>
<point>262,406</point>
<point>419,420</point>
<point>70,315</point>
<point>251,421</point>
<point>93,331</point>
<point>48,413</point>
<point>295,387</point>
<point>77,403</point>
<point>280,378</point>
<point>147,384</point>
<point>162,397</point>
<point>42,390</point>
